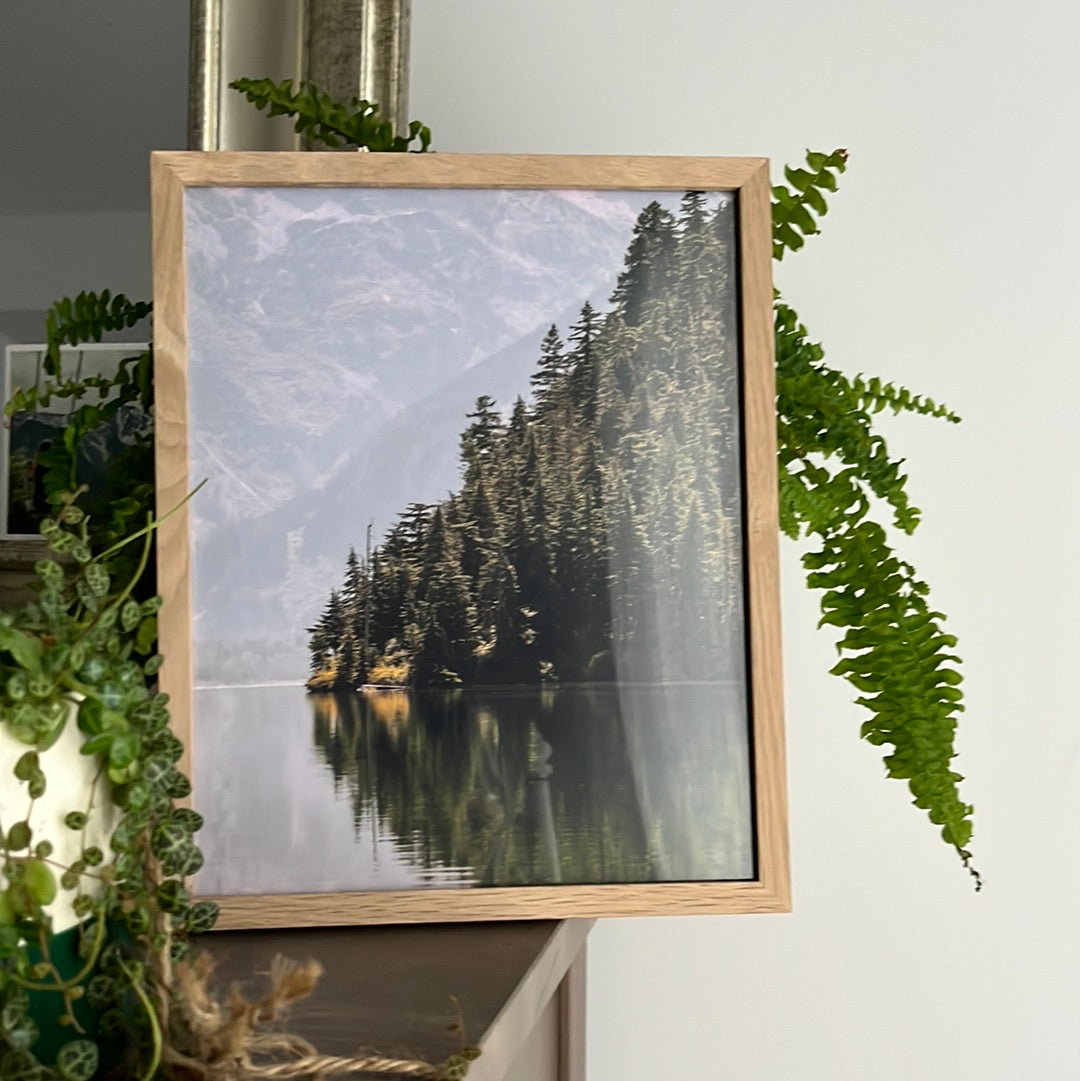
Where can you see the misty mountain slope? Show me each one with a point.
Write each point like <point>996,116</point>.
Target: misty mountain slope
<point>278,567</point>
<point>336,340</point>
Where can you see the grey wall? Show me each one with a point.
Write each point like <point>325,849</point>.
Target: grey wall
<point>88,90</point>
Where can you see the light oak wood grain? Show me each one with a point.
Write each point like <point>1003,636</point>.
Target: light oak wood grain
<point>498,903</point>
<point>748,179</point>
<point>762,535</point>
<point>255,169</point>
<point>170,434</point>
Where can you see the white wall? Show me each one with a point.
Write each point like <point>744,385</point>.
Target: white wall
<point>949,263</point>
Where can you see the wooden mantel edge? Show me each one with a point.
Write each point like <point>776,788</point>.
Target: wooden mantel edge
<point>515,1020</point>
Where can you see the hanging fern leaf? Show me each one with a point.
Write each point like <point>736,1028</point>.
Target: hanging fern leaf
<point>332,123</point>
<point>87,318</point>
<point>795,208</point>
<point>833,465</point>
<point>876,396</point>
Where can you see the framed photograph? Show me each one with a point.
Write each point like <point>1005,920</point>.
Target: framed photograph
<point>27,434</point>
<point>476,615</point>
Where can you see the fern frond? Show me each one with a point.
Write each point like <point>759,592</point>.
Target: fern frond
<point>86,319</point>
<point>893,650</point>
<point>803,502</point>
<point>333,123</point>
<point>791,489</point>
<point>876,396</point>
<point>896,655</point>
<point>820,412</point>
<point>794,208</point>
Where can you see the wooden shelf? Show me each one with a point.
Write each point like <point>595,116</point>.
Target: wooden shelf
<point>17,557</point>
<point>520,987</point>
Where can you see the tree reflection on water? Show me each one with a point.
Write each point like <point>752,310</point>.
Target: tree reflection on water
<point>536,785</point>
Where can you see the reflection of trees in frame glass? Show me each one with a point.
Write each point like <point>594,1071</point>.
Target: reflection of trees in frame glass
<point>27,435</point>
<point>488,543</point>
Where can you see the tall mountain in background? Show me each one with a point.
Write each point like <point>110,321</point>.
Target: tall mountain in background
<point>337,337</point>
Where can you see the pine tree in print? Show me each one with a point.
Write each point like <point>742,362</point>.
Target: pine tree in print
<point>595,533</point>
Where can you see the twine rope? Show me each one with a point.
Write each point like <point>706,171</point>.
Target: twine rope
<point>315,1067</point>
<point>215,1042</point>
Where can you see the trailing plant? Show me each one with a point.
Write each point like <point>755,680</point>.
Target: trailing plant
<point>355,123</point>
<point>84,648</point>
<point>834,470</point>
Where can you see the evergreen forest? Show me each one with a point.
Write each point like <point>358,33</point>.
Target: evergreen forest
<point>596,532</point>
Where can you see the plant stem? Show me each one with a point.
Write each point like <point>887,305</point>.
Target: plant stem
<point>150,526</point>
<point>66,985</point>
<point>155,1026</point>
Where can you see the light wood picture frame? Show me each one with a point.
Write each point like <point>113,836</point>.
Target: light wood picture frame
<point>490,453</point>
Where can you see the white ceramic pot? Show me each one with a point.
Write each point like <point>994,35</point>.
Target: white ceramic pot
<point>70,776</point>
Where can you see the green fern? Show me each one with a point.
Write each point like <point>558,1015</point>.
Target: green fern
<point>332,123</point>
<point>88,318</point>
<point>794,208</point>
<point>876,396</point>
<point>833,467</point>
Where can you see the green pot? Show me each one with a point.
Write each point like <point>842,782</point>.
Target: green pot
<point>70,776</point>
<point>46,1007</point>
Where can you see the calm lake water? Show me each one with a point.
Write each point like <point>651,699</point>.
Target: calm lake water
<point>476,787</point>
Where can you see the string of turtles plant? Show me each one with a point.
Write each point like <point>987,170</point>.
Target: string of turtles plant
<point>85,647</point>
